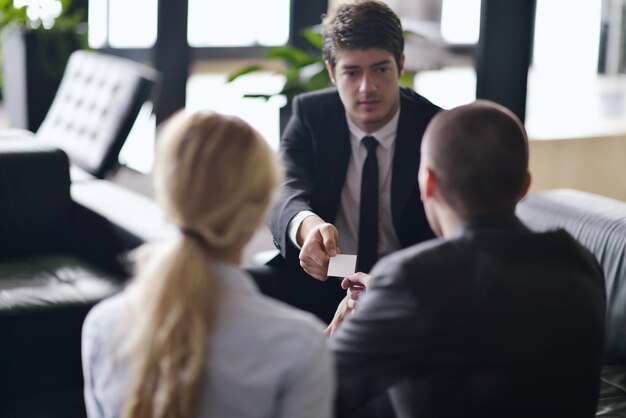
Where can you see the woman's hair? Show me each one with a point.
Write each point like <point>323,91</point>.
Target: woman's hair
<point>213,177</point>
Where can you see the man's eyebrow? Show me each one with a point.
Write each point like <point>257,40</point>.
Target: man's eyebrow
<point>376,64</point>
<point>379,63</point>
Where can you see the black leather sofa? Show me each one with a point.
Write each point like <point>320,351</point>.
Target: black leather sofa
<point>599,223</point>
<point>63,248</point>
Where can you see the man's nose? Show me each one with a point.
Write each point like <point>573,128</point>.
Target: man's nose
<point>368,84</point>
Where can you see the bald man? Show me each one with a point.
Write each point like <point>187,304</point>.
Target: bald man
<point>490,319</point>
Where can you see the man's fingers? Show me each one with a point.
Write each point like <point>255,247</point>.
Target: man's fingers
<point>329,239</point>
<point>314,261</point>
<point>354,292</point>
<point>358,278</point>
<point>314,270</point>
<point>343,309</point>
<point>319,244</point>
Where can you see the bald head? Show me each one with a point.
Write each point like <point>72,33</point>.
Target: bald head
<point>478,154</point>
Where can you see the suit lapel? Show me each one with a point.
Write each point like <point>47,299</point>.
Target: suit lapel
<point>406,157</point>
<point>334,154</point>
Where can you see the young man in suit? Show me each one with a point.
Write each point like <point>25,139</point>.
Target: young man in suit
<point>489,320</point>
<point>321,209</point>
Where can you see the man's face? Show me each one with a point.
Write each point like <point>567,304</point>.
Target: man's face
<point>367,81</point>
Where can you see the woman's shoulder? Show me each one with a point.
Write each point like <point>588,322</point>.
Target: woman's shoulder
<point>290,317</point>
<point>107,313</point>
<point>267,323</point>
<point>246,302</point>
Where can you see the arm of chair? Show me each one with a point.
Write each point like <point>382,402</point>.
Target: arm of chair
<point>34,198</point>
<point>136,218</point>
<point>13,133</point>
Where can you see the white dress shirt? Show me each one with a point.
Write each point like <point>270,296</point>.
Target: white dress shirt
<point>347,221</point>
<point>266,359</point>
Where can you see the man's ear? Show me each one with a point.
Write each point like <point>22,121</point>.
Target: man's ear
<point>329,69</point>
<point>429,183</point>
<point>526,186</point>
<point>401,64</point>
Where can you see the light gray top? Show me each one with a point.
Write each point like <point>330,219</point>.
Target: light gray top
<point>267,359</point>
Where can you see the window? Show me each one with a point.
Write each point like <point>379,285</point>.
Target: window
<point>209,90</point>
<point>454,83</point>
<point>211,24</point>
<point>460,21</point>
<point>216,23</point>
<point>222,23</point>
<point>122,23</point>
<point>564,93</point>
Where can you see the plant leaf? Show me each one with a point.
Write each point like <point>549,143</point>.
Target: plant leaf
<point>258,96</point>
<point>407,79</point>
<point>319,81</point>
<point>10,15</point>
<point>243,71</point>
<point>313,37</point>
<point>291,55</point>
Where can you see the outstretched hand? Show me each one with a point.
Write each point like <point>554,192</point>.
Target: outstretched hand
<point>320,243</point>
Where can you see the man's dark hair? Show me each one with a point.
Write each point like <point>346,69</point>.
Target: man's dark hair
<point>362,24</point>
<point>479,155</point>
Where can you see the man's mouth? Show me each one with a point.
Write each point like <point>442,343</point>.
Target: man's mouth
<point>369,102</point>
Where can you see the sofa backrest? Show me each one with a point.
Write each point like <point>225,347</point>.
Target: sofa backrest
<point>35,203</point>
<point>599,224</point>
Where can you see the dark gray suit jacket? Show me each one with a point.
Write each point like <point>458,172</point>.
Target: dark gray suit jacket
<point>315,150</point>
<point>496,322</point>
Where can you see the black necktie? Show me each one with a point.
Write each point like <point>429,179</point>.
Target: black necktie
<point>368,218</point>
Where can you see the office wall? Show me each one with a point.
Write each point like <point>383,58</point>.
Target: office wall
<point>596,165</point>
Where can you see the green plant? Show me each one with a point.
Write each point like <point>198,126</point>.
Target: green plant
<point>51,28</point>
<point>66,17</point>
<point>10,16</point>
<point>303,69</point>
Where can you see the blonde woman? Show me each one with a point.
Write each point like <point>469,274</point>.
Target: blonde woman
<point>192,336</point>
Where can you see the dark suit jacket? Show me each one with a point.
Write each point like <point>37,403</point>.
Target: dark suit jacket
<point>496,322</point>
<point>315,150</point>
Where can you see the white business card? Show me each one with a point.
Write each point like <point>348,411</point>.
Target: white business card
<point>342,265</point>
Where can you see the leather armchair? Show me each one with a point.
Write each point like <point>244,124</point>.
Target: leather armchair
<point>57,259</point>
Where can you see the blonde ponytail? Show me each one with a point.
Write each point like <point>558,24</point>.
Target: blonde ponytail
<point>177,315</point>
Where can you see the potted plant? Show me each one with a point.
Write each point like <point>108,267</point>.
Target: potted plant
<point>37,38</point>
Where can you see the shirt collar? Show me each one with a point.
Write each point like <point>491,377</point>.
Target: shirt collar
<point>491,222</point>
<point>385,136</point>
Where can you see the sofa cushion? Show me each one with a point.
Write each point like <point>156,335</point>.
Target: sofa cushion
<point>44,283</point>
<point>612,402</point>
<point>43,303</point>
